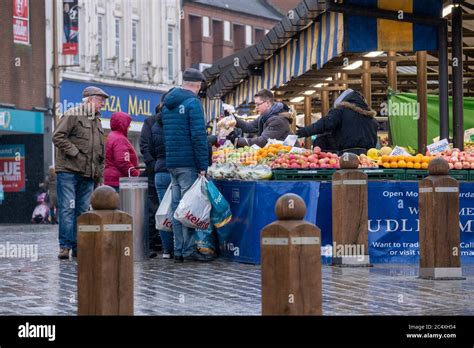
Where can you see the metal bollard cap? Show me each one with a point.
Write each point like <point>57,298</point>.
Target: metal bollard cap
<point>105,198</point>
<point>349,161</point>
<point>290,207</point>
<point>438,166</point>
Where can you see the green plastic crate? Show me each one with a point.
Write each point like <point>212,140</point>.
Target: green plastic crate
<point>385,174</point>
<point>303,174</point>
<point>418,174</point>
<point>471,175</point>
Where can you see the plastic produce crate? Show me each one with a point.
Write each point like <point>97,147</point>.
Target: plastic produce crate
<point>385,174</point>
<point>303,174</point>
<point>418,174</point>
<point>471,175</point>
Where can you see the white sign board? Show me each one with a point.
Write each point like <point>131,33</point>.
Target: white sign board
<point>438,147</point>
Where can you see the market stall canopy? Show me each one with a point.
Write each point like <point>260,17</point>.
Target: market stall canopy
<point>320,46</point>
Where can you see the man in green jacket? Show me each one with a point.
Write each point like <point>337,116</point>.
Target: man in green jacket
<point>80,156</point>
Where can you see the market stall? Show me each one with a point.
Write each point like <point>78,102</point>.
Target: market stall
<point>388,50</point>
<point>392,197</point>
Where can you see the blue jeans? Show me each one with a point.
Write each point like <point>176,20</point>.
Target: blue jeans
<point>182,179</point>
<point>162,181</point>
<point>74,197</point>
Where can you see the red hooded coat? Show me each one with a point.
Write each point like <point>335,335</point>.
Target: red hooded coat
<point>120,155</point>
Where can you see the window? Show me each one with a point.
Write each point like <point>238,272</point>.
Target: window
<point>170,52</point>
<point>248,35</point>
<point>135,47</point>
<point>100,42</point>
<point>117,43</point>
<point>206,32</point>
<point>226,31</point>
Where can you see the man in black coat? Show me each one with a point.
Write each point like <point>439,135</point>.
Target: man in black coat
<point>145,141</point>
<point>351,124</point>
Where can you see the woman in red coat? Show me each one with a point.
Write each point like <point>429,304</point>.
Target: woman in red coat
<point>120,156</point>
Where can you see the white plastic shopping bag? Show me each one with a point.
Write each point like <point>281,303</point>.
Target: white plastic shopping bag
<point>194,209</point>
<point>164,214</point>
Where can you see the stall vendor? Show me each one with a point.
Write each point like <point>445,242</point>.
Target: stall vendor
<point>349,127</point>
<point>273,123</point>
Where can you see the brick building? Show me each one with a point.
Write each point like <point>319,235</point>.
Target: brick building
<point>25,124</point>
<point>212,29</point>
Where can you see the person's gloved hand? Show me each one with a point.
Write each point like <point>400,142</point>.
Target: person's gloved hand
<point>301,132</point>
<point>236,133</point>
<point>212,139</point>
<point>232,136</point>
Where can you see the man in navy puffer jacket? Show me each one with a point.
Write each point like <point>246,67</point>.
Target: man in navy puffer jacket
<point>186,152</point>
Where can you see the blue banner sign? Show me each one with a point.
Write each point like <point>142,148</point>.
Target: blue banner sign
<point>138,103</point>
<point>253,207</point>
<point>394,223</point>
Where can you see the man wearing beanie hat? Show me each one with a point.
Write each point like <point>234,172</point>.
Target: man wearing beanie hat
<point>186,148</point>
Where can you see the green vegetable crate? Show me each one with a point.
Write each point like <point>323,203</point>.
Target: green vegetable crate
<point>418,174</point>
<point>385,174</point>
<point>303,174</point>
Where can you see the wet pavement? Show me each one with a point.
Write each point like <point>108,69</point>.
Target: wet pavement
<point>47,286</point>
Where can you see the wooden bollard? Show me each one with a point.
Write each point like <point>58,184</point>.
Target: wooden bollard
<point>105,257</point>
<point>439,224</point>
<point>350,220</point>
<point>291,261</point>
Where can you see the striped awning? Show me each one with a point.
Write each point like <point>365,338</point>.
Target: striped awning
<point>365,34</point>
<point>312,47</point>
<point>212,108</point>
<point>333,33</point>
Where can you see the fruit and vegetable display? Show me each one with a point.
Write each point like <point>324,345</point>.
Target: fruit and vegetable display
<point>458,159</point>
<point>255,163</point>
<point>307,159</point>
<point>469,147</point>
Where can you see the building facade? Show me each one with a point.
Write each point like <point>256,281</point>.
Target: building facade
<point>24,118</point>
<point>213,29</point>
<point>129,48</point>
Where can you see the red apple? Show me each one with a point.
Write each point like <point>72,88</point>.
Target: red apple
<point>317,149</point>
<point>457,165</point>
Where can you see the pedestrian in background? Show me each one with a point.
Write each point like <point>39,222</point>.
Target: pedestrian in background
<point>186,148</point>
<point>162,176</point>
<point>50,186</point>
<point>145,146</point>
<point>121,159</point>
<point>79,163</point>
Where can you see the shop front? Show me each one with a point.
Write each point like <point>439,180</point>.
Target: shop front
<point>21,163</point>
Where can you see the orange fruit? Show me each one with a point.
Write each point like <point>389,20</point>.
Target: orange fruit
<point>425,159</point>
<point>410,165</point>
<point>385,158</point>
<point>393,165</point>
<point>424,165</point>
<point>386,165</point>
<point>402,164</point>
<point>417,165</point>
<point>417,159</point>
